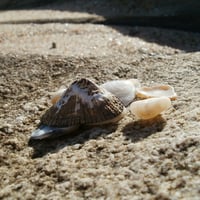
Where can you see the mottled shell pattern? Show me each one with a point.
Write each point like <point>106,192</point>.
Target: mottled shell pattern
<point>83,102</point>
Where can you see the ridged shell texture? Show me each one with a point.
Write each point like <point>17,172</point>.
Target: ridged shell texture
<point>84,102</point>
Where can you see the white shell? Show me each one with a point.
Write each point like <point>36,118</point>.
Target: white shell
<point>55,96</point>
<point>156,91</point>
<point>123,89</point>
<point>150,108</point>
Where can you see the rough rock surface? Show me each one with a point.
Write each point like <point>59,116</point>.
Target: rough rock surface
<point>155,159</point>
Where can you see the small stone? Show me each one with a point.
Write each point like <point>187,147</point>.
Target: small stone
<point>53,46</point>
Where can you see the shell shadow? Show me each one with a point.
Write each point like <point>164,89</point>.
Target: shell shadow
<point>55,144</point>
<point>138,130</point>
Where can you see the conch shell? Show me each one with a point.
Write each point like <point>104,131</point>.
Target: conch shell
<point>149,108</point>
<point>83,103</point>
<point>156,91</point>
<point>123,89</point>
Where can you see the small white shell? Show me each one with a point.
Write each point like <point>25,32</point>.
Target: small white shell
<point>57,95</point>
<point>156,91</point>
<point>149,108</point>
<point>123,89</point>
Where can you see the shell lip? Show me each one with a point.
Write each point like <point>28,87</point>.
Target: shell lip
<point>44,131</point>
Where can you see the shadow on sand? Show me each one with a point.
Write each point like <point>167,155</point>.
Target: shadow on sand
<point>55,144</point>
<point>134,131</point>
<point>138,130</point>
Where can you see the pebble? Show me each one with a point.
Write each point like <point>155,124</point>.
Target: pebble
<point>20,119</point>
<point>6,128</point>
<point>30,107</point>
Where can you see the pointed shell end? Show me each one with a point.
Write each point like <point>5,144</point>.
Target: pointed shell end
<point>43,132</point>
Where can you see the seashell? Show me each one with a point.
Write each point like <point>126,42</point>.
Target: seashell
<point>150,108</point>
<point>57,95</point>
<point>124,89</point>
<point>83,103</point>
<point>156,91</point>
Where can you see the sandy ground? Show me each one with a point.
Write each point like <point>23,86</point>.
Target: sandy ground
<point>155,159</point>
